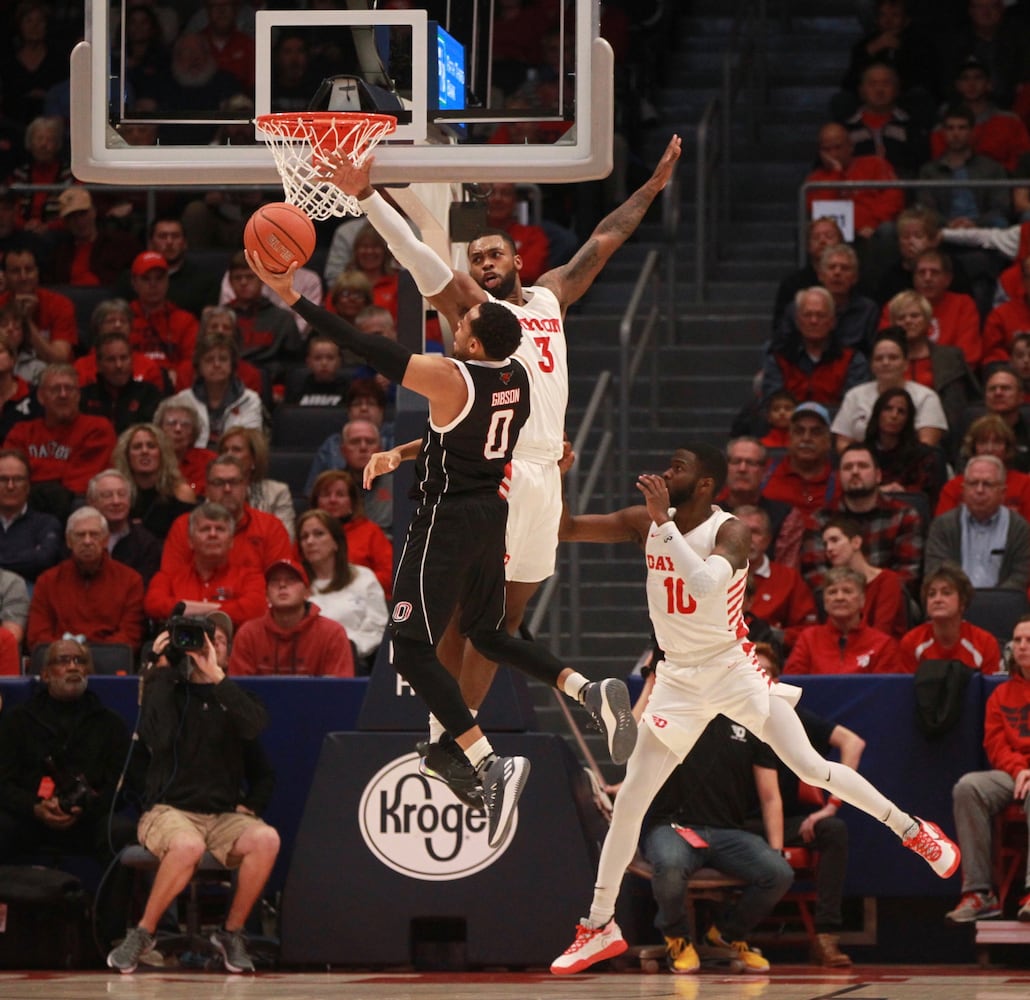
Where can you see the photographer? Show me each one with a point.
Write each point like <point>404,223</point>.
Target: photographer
<point>60,757</point>
<point>194,787</point>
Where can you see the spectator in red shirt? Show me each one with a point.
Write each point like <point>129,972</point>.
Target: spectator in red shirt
<point>89,593</point>
<point>65,448</point>
<point>804,478</point>
<point>843,645</point>
<point>292,637</point>
<point>886,606</point>
<point>998,134</point>
<point>49,316</point>
<point>1006,320</point>
<point>809,362</point>
<point>86,254</point>
<point>373,259</point>
<point>955,318</point>
<point>946,635</point>
<point>207,581</point>
<point>780,596</point>
<point>259,539</point>
<point>336,492</point>
<point>115,316</point>
<point>160,329</point>
<point>873,206</point>
<point>180,422</point>
<point>232,49</point>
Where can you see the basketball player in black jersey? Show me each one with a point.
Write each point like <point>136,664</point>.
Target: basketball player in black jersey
<point>454,551</point>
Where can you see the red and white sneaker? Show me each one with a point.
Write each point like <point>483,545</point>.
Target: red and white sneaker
<point>935,847</point>
<point>592,944</point>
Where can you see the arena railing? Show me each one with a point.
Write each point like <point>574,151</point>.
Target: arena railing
<point>744,66</point>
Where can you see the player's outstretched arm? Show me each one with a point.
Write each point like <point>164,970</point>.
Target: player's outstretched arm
<point>571,281</point>
<point>430,375</point>
<point>450,292</point>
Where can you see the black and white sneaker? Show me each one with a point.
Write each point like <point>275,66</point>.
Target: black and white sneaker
<point>503,781</point>
<point>446,761</point>
<point>608,702</point>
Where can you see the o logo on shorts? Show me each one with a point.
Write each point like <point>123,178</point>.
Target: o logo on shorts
<point>402,612</point>
<point>659,722</point>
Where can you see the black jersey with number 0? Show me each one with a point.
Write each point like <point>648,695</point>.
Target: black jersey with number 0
<point>472,452</point>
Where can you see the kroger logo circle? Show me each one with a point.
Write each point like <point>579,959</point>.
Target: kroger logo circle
<point>415,825</point>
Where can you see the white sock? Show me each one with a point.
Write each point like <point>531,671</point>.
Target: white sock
<point>436,729</point>
<point>574,685</point>
<point>596,920</point>
<point>479,751</point>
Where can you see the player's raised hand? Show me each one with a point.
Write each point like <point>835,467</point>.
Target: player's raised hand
<point>666,165</point>
<point>656,496</point>
<point>280,283</point>
<point>352,178</point>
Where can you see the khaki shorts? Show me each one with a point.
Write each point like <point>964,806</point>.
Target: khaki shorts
<point>158,826</point>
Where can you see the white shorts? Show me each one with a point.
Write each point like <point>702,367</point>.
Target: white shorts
<point>534,511</point>
<point>686,699</point>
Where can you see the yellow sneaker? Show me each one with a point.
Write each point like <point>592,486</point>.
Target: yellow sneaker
<point>750,959</point>
<point>681,956</point>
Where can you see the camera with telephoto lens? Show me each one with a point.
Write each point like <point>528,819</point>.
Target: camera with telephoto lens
<point>71,788</point>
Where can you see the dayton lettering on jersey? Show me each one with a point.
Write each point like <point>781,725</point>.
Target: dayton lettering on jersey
<point>540,324</point>
<point>51,449</point>
<point>663,563</point>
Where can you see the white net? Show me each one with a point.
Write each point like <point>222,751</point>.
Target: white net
<point>299,142</point>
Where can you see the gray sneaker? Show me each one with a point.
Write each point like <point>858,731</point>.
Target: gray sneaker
<point>125,957</point>
<point>503,781</point>
<point>608,702</point>
<point>233,948</point>
<point>975,906</point>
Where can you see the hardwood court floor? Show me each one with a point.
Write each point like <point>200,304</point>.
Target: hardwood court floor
<point>786,983</point>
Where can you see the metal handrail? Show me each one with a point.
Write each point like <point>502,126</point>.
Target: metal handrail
<point>904,185</point>
<point>631,354</point>
<point>744,62</point>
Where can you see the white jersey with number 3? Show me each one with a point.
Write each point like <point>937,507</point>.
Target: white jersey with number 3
<point>693,631</point>
<point>543,352</point>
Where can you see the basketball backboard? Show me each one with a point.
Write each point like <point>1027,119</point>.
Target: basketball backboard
<point>432,67</point>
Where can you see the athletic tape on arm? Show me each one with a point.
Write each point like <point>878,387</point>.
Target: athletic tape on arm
<point>382,353</point>
<point>431,274</point>
<point>703,576</point>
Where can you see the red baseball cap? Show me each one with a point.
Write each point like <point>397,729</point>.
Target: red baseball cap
<point>149,260</point>
<point>290,565</point>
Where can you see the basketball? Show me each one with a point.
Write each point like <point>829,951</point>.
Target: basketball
<point>279,234</point>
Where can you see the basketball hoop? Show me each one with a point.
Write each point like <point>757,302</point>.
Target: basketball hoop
<point>300,140</point>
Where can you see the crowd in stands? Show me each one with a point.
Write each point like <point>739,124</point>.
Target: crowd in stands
<point>884,456</point>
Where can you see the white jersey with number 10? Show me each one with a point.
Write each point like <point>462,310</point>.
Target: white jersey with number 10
<point>544,353</point>
<point>694,631</point>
